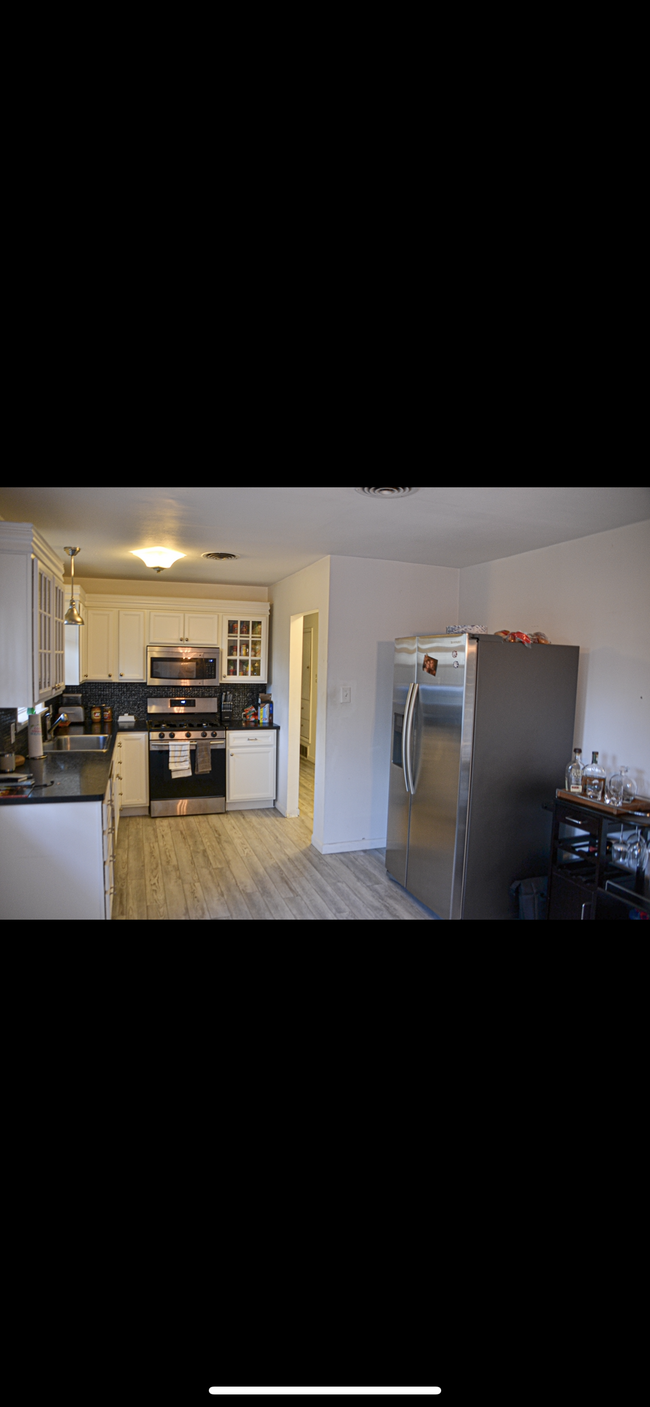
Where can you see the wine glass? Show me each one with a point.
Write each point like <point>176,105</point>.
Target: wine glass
<point>636,850</point>
<point>619,848</point>
<point>621,788</point>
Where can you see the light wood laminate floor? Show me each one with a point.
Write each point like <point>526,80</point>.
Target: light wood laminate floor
<point>248,865</point>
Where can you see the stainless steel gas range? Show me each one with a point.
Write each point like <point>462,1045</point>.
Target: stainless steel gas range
<point>194,722</point>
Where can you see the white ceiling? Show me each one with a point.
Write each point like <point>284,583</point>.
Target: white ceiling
<point>278,531</point>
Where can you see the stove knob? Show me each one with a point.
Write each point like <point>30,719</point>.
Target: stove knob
<point>161,735</point>
<point>188,735</point>
<point>171,735</point>
<point>204,735</point>
<point>213,735</point>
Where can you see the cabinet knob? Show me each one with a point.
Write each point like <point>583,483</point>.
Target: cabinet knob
<point>85,676</point>
<point>110,676</point>
<point>121,675</point>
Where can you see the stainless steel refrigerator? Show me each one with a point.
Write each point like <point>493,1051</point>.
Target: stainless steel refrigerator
<point>482,730</point>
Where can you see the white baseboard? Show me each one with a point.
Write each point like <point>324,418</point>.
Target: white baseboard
<point>291,814</point>
<point>337,847</point>
<point>248,805</point>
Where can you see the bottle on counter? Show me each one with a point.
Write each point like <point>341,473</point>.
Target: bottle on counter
<point>593,780</point>
<point>96,714</point>
<point>574,771</point>
<point>108,713</point>
<point>34,733</point>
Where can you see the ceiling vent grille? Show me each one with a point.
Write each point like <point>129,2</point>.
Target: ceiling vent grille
<point>387,493</point>
<point>222,556</point>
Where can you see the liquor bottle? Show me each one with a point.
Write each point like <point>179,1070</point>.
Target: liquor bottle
<point>574,771</point>
<point>593,780</point>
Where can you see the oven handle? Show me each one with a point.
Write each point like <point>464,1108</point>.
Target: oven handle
<point>164,747</point>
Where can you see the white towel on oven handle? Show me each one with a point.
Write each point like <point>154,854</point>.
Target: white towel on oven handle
<point>179,760</point>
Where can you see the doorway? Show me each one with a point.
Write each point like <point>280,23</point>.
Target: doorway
<point>308,714</point>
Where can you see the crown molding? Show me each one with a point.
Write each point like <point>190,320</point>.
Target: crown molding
<point>24,538</point>
<point>197,604</point>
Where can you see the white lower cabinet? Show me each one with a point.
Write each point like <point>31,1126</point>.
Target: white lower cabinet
<point>133,758</point>
<point>250,770</point>
<point>55,862</point>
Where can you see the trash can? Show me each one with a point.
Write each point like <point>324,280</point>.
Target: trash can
<point>531,895</point>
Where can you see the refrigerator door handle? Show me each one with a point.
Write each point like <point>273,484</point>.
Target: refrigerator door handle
<point>405,736</point>
<point>408,729</point>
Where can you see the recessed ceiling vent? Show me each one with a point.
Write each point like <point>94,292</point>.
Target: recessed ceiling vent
<point>221,556</point>
<point>387,493</point>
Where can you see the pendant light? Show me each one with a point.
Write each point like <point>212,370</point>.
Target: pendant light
<point>72,616</point>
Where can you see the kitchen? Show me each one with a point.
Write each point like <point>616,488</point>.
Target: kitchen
<point>571,563</point>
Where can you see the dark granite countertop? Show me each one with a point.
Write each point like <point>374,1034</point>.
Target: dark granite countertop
<point>75,776</point>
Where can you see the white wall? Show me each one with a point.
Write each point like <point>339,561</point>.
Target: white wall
<point>593,592</point>
<point>370,603</point>
<point>304,591</point>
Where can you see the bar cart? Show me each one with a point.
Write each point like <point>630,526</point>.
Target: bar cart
<point>584,882</point>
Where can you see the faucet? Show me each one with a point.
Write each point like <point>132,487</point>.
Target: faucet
<point>62,718</point>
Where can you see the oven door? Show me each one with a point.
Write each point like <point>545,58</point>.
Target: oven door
<point>186,796</point>
<point>167,665</point>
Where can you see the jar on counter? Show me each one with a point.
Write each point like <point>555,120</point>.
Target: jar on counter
<point>108,713</point>
<point>96,714</point>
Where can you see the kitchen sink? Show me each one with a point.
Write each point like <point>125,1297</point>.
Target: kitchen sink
<point>83,742</point>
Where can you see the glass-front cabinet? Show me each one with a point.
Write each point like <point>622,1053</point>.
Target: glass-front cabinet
<point>244,647</point>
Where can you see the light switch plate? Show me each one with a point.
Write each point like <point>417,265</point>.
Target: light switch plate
<point>346,693</point>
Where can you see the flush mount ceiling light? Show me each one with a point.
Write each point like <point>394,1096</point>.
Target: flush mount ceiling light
<point>222,556</point>
<point>157,557</point>
<point>386,493</point>
<point>72,616</point>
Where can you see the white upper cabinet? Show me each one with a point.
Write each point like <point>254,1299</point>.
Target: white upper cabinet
<point>184,628</point>
<point>115,644</point>
<point>101,658</point>
<point>131,646</point>
<point>31,617</point>
<point>48,632</point>
<point>244,647</point>
<point>202,628</point>
<point>166,627</point>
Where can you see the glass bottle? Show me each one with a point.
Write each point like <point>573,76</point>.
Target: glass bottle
<point>620,787</point>
<point>593,780</point>
<point>574,771</point>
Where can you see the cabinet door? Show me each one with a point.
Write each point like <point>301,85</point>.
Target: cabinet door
<point>58,637</point>
<point>133,766</point>
<point>116,778</point>
<point>101,644</point>
<point>108,849</point>
<point>130,653</point>
<point>166,627</point>
<point>201,628</point>
<point>42,618</point>
<point>244,647</point>
<point>250,775</point>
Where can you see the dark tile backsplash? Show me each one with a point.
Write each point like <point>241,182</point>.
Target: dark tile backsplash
<point>128,698</point>
<point>132,698</point>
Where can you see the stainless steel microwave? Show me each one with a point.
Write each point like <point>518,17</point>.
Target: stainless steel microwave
<point>184,664</point>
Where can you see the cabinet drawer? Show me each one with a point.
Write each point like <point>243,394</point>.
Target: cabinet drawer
<point>243,740</point>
